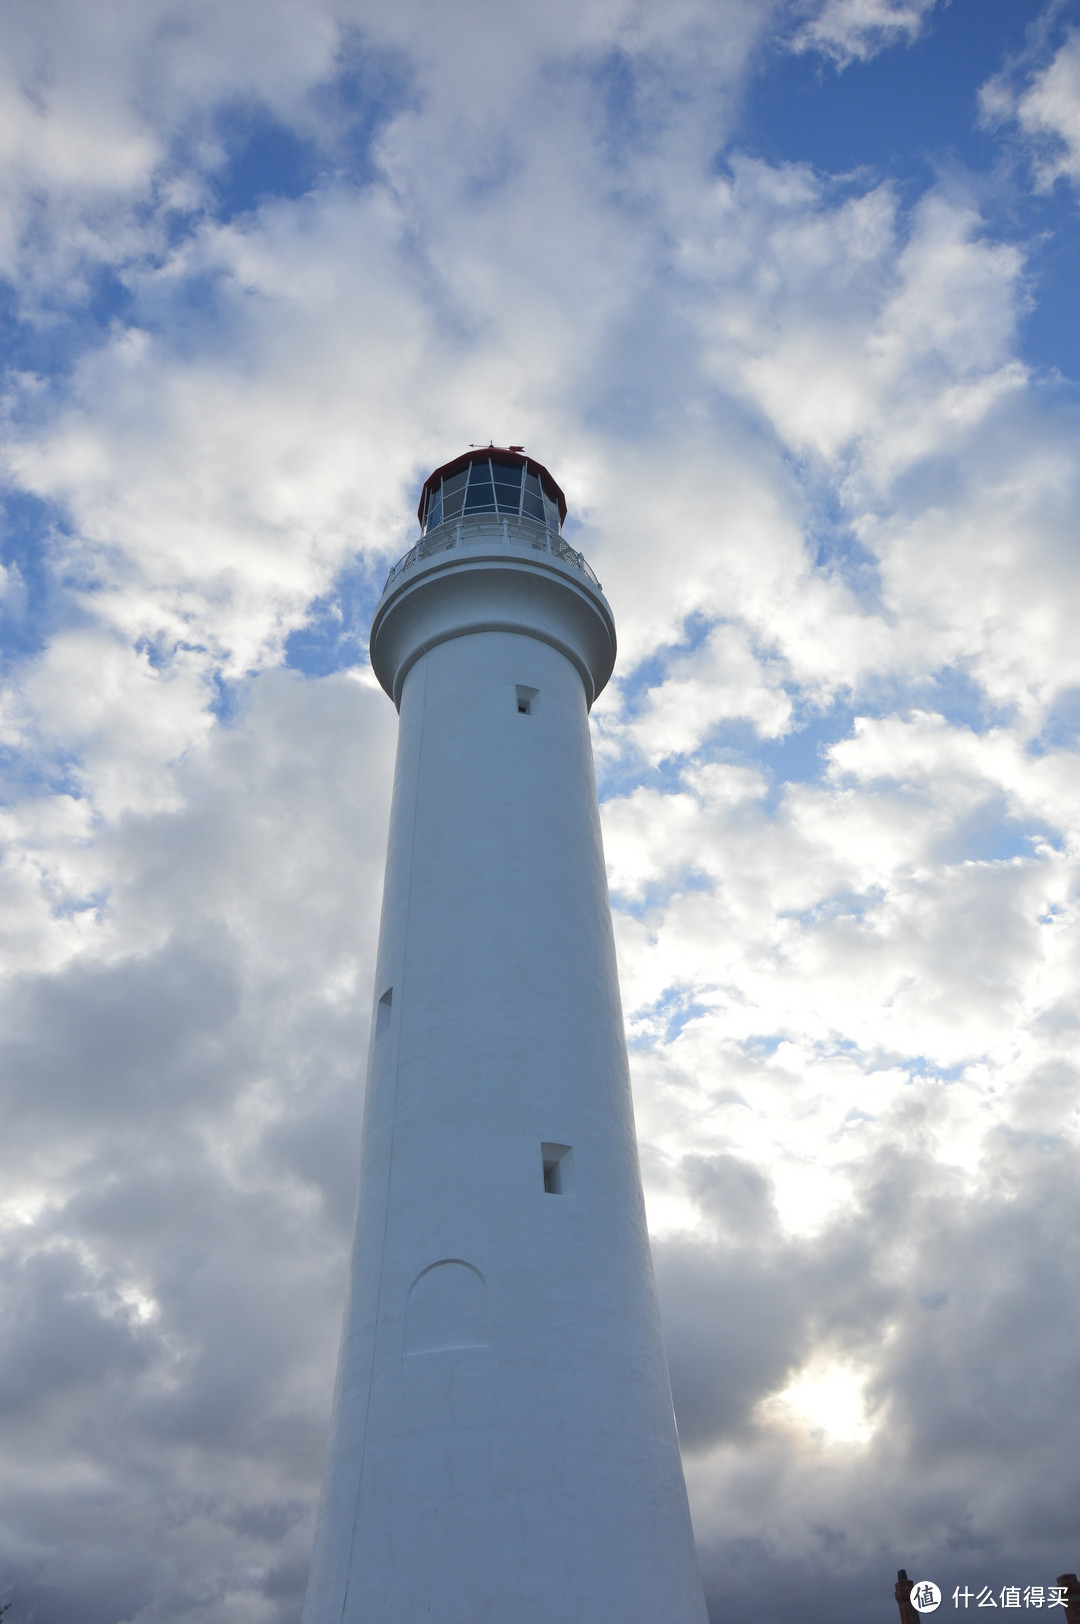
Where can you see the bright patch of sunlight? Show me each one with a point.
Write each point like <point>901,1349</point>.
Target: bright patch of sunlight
<point>826,1399</point>
<point>669,1212</point>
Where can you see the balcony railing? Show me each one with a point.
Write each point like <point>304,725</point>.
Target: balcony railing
<point>512,532</point>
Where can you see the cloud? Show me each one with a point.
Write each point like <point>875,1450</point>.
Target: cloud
<point>852,30</point>
<point>265,267</point>
<point>180,1102</point>
<point>1046,108</point>
<point>931,1292</point>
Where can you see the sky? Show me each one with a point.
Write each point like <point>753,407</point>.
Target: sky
<point>784,293</point>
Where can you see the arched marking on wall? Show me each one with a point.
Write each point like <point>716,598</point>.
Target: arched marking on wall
<point>446,1308</point>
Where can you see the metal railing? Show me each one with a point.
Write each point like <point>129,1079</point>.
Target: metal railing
<point>512,532</point>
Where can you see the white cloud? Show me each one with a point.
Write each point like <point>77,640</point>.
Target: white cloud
<point>852,30</point>
<point>845,333</point>
<point>835,515</point>
<point>180,1101</point>
<point>1047,109</point>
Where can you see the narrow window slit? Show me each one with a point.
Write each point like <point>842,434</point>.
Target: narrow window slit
<point>558,1165</point>
<point>526,700</point>
<point>382,1012</point>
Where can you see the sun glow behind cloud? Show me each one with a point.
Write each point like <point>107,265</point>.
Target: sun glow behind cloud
<point>826,1400</point>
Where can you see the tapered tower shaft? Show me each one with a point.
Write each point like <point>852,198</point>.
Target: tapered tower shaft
<point>503,1447</point>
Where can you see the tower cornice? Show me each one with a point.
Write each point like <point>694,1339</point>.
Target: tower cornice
<point>492,574</point>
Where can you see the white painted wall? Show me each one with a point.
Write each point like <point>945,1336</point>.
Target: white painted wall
<point>503,1448</point>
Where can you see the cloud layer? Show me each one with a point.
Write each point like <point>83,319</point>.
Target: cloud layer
<point>265,266</point>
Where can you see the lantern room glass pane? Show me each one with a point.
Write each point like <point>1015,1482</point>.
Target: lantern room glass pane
<point>533,503</point>
<point>481,495</point>
<point>453,494</point>
<point>507,488</point>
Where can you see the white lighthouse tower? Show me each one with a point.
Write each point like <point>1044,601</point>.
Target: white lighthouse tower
<point>503,1448</point>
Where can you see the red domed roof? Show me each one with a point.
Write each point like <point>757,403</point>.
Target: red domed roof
<point>512,458</point>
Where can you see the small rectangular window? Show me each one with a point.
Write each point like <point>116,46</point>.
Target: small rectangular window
<point>382,1012</point>
<point>526,699</point>
<point>558,1165</point>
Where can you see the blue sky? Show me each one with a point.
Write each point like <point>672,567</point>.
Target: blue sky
<point>783,292</point>
<point>913,115</point>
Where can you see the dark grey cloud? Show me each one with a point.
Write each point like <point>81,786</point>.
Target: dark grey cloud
<point>182,1125</point>
<point>957,1296</point>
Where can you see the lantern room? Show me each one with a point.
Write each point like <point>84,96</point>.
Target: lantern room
<point>490,479</point>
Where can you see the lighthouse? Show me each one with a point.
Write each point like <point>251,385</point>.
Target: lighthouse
<point>503,1447</point>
